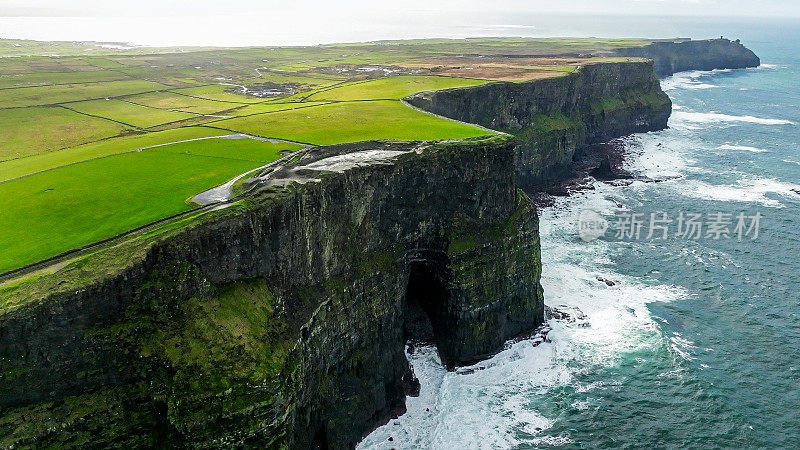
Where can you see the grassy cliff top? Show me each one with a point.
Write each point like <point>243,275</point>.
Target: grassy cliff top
<point>111,258</point>
<point>101,139</point>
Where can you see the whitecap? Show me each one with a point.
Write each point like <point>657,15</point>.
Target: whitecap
<point>741,147</point>
<point>681,118</point>
<point>661,155</point>
<point>749,190</point>
<point>682,347</point>
<point>687,80</point>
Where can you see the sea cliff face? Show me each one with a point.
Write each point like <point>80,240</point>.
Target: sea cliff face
<point>554,117</point>
<point>673,57</point>
<point>280,322</point>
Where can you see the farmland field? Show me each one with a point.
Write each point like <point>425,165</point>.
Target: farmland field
<point>46,95</point>
<point>337,123</point>
<point>220,93</point>
<point>31,131</point>
<point>177,102</point>
<point>127,113</point>
<point>25,166</point>
<point>102,139</point>
<point>71,206</point>
<point>392,88</point>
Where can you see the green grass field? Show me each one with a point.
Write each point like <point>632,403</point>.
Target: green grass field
<point>351,122</point>
<point>70,125</point>
<point>23,166</point>
<point>38,79</point>
<point>172,101</point>
<point>220,93</point>
<point>393,88</point>
<point>31,131</point>
<point>46,95</point>
<point>261,108</point>
<point>65,208</point>
<point>136,115</point>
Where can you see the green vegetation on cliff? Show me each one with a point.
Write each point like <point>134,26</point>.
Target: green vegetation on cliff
<point>210,362</point>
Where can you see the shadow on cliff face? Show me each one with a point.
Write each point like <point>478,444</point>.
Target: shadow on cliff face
<point>426,296</point>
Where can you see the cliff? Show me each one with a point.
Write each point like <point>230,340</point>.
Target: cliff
<point>672,57</point>
<point>554,117</point>
<point>279,321</point>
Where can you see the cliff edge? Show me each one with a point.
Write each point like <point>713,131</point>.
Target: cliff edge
<point>671,57</point>
<point>553,117</point>
<point>281,320</point>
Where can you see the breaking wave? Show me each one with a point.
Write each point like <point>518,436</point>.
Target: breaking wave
<point>681,117</point>
<point>741,147</point>
<point>747,190</point>
<point>507,401</point>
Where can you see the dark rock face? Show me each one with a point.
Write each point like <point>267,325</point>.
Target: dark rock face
<point>552,118</point>
<point>280,323</point>
<point>673,57</point>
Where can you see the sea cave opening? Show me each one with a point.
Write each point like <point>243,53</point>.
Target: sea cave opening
<point>425,300</point>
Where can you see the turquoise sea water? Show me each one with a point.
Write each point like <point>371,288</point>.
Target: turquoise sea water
<point>697,345</point>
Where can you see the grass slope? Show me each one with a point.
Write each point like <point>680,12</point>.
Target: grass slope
<point>24,166</point>
<point>46,95</point>
<point>351,122</point>
<point>55,211</point>
<point>392,88</point>
<point>138,116</point>
<point>32,131</point>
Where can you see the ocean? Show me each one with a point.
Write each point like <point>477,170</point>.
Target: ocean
<point>697,343</point>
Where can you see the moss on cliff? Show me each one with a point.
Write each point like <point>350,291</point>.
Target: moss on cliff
<point>552,118</point>
<point>236,325</point>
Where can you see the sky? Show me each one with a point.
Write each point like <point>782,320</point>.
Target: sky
<point>208,7</point>
<point>308,22</point>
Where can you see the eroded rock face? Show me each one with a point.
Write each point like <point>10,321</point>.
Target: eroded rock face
<point>673,57</point>
<point>554,117</point>
<point>281,322</point>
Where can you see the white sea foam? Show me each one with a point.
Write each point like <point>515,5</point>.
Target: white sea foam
<point>496,406</point>
<point>741,147</point>
<point>791,161</point>
<point>662,154</point>
<point>687,80</point>
<point>682,347</point>
<point>682,118</point>
<point>747,190</point>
